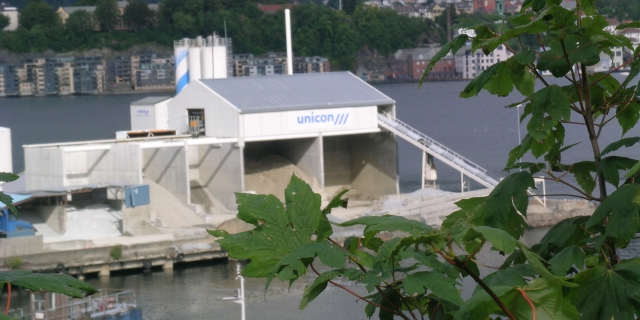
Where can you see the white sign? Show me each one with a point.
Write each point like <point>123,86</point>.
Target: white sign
<point>321,119</point>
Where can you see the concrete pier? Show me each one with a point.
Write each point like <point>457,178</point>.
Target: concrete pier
<point>141,252</point>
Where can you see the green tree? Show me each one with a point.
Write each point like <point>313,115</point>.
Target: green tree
<point>349,6</point>
<point>183,23</point>
<point>107,14</point>
<point>80,24</point>
<point>137,15</point>
<point>37,12</point>
<point>4,21</point>
<point>413,271</point>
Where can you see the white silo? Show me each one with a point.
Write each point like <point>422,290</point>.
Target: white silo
<point>207,59</point>
<point>219,57</point>
<point>181,50</point>
<point>195,46</point>
<point>6,163</point>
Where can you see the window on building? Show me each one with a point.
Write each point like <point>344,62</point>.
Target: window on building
<point>39,301</point>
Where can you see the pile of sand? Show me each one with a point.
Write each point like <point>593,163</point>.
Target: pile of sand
<point>271,175</point>
<point>95,221</point>
<point>169,209</point>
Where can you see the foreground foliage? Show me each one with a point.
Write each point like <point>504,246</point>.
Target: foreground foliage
<point>416,271</point>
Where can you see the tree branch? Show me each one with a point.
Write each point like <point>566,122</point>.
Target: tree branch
<point>486,288</point>
<point>6,310</point>
<point>353,293</point>
<point>559,195</point>
<point>533,308</point>
<point>557,179</point>
<point>363,269</point>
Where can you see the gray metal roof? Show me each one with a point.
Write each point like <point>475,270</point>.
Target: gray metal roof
<point>149,101</point>
<point>297,92</point>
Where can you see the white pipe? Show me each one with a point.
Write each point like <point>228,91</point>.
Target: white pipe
<point>287,24</point>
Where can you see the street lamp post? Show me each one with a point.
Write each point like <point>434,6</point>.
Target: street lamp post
<point>239,296</point>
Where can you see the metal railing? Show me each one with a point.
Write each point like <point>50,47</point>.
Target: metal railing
<point>438,148</point>
<point>100,304</point>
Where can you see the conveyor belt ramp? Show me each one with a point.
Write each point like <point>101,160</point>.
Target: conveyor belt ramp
<point>437,150</point>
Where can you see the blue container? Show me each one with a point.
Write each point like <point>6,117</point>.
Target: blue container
<point>136,196</point>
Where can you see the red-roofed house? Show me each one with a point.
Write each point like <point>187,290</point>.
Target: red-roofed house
<point>273,8</point>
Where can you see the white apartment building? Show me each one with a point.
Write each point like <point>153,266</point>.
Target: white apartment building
<point>470,64</point>
<point>12,14</point>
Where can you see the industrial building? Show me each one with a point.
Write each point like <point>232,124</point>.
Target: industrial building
<point>322,126</point>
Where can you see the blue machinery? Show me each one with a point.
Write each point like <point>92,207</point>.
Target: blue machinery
<point>11,227</point>
<point>433,149</point>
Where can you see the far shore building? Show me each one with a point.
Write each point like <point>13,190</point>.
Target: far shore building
<point>410,64</point>
<point>65,12</point>
<point>274,8</point>
<point>10,12</point>
<point>470,64</point>
<point>275,63</point>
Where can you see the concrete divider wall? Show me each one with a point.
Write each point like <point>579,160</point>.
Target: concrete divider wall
<point>44,168</point>
<point>374,163</point>
<point>131,216</point>
<point>337,162</point>
<point>169,168</point>
<point>306,154</point>
<point>220,171</point>
<point>54,217</point>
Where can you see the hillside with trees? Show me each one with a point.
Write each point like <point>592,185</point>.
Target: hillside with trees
<point>317,30</point>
